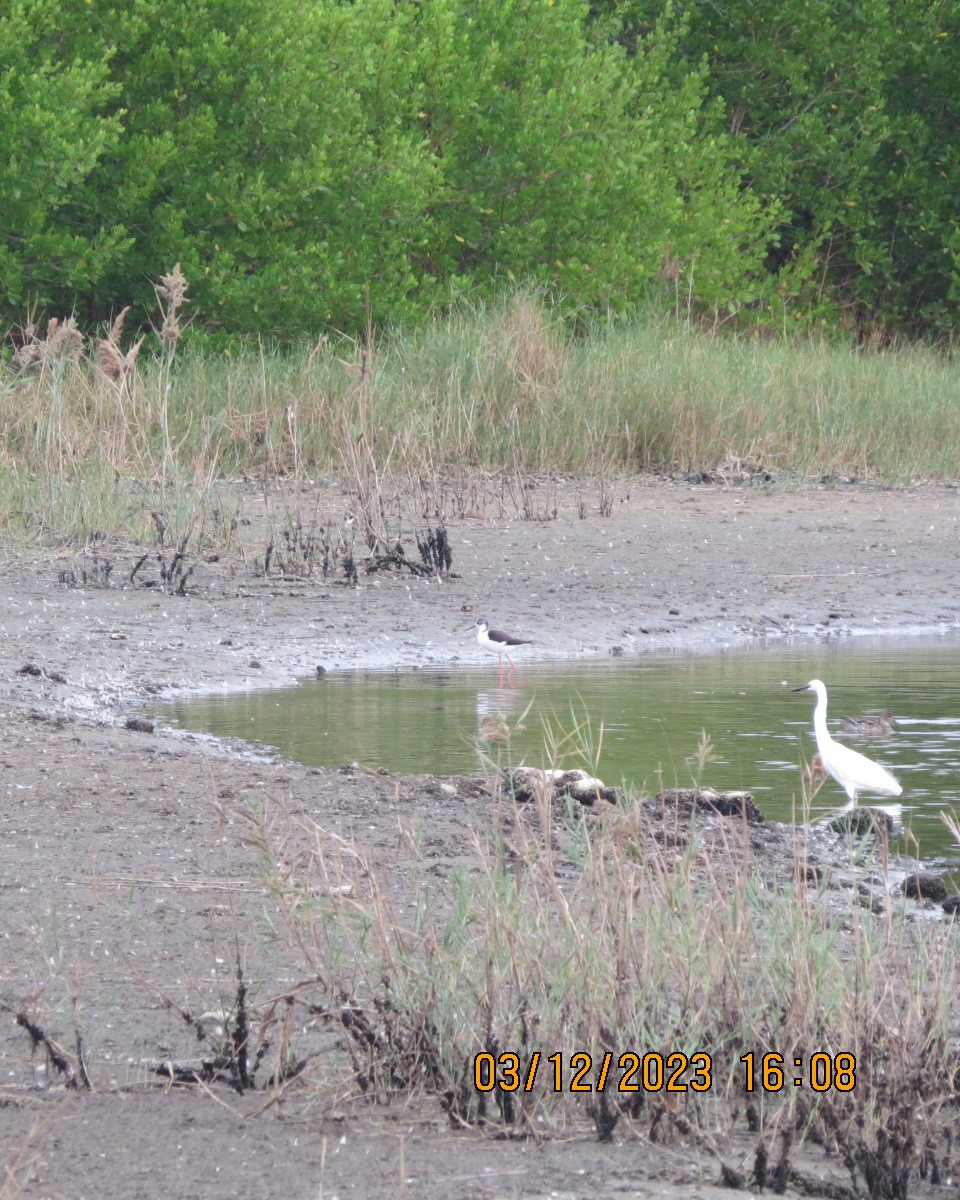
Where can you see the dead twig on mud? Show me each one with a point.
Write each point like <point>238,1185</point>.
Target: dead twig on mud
<point>230,1040</point>
<point>243,886</point>
<point>74,1074</point>
<point>435,554</point>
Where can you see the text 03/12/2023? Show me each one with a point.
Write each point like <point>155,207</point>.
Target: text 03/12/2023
<point>631,1071</point>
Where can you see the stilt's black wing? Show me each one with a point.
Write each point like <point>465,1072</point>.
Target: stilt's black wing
<point>507,639</point>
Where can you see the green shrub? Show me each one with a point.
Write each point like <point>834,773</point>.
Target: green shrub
<point>847,117</point>
<point>56,124</point>
<point>314,165</point>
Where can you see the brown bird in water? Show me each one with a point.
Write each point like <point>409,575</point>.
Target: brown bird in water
<point>493,728</point>
<point>881,726</point>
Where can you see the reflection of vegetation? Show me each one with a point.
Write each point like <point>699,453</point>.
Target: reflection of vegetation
<point>650,718</point>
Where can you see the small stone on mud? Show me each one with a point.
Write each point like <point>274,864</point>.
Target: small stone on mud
<point>448,789</point>
<point>725,804</point>
<point>255,664</point>
<point>583,787</point>
<point>527,782</point>
<point>862,821</point>
<point>139,725</point>
<point>588,791</point>
<point>56,677</point>
<point>30,669</point>
<point>871,902</point>
<point>925,885</point>
<point>321,671</point>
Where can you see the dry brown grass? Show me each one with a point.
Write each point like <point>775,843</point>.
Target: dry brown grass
<point>512,392</point>
<point>115,365</point>
<point>636,930</point>
<point>171,296</point>
<point>22,1163</point>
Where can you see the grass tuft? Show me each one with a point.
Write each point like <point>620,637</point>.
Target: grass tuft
<point>510,390</point>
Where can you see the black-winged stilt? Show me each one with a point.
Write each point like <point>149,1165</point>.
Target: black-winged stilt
<point>499,643</point>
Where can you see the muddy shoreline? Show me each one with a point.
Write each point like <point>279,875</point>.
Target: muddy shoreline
<point>125,874</point>
<point>674,568</point>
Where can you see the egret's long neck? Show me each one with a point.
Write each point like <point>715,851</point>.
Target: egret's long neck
<point>820,722</point>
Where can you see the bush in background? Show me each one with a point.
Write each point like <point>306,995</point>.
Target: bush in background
<point>319,164</point>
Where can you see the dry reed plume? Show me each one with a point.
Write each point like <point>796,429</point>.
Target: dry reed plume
<point>112,362</point>
<point>171,296</point>
<point>62,342</point>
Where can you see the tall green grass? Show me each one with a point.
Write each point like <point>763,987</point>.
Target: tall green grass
<point>510,389</point>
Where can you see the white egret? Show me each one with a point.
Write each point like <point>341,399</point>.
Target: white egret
<point>852,770</point>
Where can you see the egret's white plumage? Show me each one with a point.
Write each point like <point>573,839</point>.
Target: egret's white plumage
<point>852,770</point>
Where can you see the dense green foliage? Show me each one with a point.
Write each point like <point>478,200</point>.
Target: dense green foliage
<point>848,116</point>
<point>314,163</point>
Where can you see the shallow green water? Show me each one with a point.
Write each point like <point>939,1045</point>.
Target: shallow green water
<point>645,715</point>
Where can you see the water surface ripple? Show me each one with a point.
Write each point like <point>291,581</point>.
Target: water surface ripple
<point>646,717</point>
